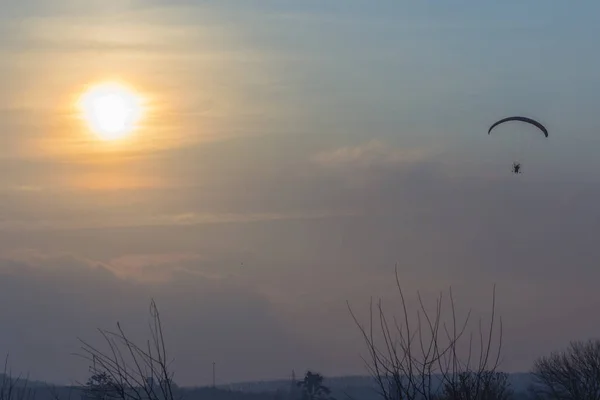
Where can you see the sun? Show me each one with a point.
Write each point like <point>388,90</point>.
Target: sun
<point>111,110</point>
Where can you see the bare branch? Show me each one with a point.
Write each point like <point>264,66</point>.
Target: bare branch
<point>128,371</point>
<point>433,370</point>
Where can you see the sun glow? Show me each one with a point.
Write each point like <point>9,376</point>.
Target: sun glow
<point>111,110</point>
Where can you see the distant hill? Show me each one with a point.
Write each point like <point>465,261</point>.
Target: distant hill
<point>359,386</point>
<point>43,391</point>
<point>22,381</point>
<point>284,384</point>
<point>343,388</point>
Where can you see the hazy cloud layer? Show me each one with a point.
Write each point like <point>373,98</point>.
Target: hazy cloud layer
<point>220,284</point>
<point>69,297</point>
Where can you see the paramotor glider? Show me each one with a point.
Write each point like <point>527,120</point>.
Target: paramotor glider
<point>522,119</point>
<point>516,165</point>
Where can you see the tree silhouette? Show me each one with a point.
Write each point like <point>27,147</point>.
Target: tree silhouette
<point>313,388</point>
<point>570,374</point>
<point>100,386</point>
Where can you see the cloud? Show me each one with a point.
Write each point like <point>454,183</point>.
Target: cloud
<point>373,154</point>
<point>368,168</point>
<point>89,34</point>
<point>130,220</point>
<point>55,298</point>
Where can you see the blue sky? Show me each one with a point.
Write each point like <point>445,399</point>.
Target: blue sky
<point>302,138</point>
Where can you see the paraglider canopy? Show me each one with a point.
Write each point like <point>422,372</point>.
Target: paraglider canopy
<point>522,119</point>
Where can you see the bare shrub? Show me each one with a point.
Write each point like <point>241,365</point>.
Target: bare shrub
<point>128,371</point>
<point>422,362</point>
<point>570,374</point>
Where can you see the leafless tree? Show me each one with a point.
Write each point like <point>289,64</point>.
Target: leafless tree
<point>128,371</point>
<point>570,374</point>
<point>423,361</point>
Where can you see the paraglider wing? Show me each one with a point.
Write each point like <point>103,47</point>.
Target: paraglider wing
<point>522,119</point>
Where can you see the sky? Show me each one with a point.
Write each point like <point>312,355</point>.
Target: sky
<point>292,154</point>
